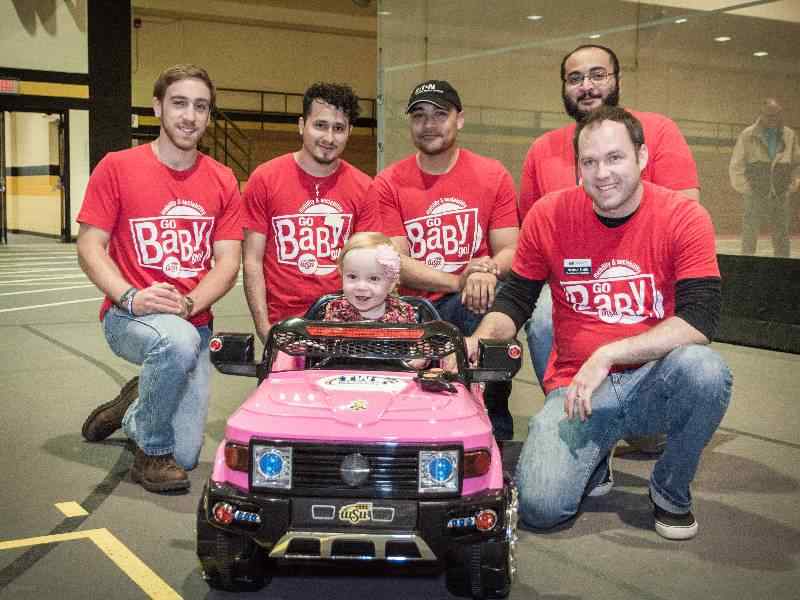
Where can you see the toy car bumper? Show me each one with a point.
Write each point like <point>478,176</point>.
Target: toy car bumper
<point>302,528</point>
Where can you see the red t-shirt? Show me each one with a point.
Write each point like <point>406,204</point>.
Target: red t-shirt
<point>611,282</point>
<point>550,163</point>
<point>446,218</point>
<point>307,221</point>
<point>163,223</point>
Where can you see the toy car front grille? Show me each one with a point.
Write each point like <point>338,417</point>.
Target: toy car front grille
<point>298,344</point>
<point>393,471</point>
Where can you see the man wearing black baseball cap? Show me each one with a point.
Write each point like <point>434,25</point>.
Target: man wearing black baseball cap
<point>452,215</point>
<point>437,92</point>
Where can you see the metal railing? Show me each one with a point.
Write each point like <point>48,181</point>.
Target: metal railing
<point>263,104</point>
<point>230,145</point>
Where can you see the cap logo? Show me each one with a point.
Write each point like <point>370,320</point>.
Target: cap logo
<point>427,87</point>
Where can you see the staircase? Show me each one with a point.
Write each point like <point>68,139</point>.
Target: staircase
<point>227,143</point>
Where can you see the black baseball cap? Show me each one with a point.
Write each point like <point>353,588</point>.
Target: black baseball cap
<point>437,92</point>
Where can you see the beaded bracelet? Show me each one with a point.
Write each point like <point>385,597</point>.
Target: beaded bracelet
<point>126,300</point>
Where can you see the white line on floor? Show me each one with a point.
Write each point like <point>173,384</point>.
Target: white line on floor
<point>57,289</point>
<point>18,308</point>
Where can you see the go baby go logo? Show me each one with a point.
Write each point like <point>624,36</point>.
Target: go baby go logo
<point>447,237</point>
<point>177,243</point>
<point>618,292</point>
<point>312,239</point>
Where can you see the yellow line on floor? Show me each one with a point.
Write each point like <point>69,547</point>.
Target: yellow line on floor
<point>150,583</point>
<point>133,567</point>
<point>71,509</point>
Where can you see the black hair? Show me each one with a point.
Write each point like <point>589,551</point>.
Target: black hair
<point>339,95</point>
<point>609,51</point>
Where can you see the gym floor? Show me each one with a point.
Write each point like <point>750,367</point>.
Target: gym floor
<point>73,525</point>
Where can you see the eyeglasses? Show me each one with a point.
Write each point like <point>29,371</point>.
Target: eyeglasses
<point>596,76</point>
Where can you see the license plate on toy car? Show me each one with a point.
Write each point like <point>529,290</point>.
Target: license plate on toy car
<point>338,512</point>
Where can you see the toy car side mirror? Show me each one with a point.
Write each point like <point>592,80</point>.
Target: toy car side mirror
<point>233,353</point>
<point>498,360</point>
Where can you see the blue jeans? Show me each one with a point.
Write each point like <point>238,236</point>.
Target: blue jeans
<point>169,416</point>
<point>539,329</point>
<point>685,394</point>
<point>452,310</point>
<point>496,393</point>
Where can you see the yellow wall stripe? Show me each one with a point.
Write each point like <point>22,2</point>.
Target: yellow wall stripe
<point>33,185</point>
<point>63,90</point>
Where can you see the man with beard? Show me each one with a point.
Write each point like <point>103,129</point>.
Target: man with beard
<point>452,216</point>
<point>300,209</point>
<point>636,297</point>
<point>161,237</point>
<point>590,78</point>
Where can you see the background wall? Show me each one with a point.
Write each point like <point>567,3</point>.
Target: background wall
<point>48,35</point>
<point>254,45</point>
<point>33,196</point>
<point>506,68</point>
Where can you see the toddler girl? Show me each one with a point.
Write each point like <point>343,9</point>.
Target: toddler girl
<point>370,269</point>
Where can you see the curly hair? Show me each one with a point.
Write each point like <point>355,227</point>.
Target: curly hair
<point>339,95</point>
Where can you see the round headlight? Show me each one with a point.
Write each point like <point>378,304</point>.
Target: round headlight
<point>441,469</point>
<point>270,464</point>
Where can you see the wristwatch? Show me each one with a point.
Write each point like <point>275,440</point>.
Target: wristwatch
<point>188,302</point>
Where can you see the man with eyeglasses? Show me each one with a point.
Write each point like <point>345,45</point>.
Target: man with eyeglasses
<point>452,215</point>
<point>590,77</point>
<point>301,208</point>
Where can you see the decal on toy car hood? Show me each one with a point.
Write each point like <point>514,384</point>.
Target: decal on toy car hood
<point>363,383</point>
<point>357,405</point>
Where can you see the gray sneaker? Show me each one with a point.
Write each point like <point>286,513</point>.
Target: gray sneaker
<point>607,483</point>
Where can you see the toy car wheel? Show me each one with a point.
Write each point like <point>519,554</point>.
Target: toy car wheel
<point>487,570</point>
<point>230,562</point>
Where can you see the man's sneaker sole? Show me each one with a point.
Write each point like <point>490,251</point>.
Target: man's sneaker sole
<point>124,396</point>
<point>166,486</point>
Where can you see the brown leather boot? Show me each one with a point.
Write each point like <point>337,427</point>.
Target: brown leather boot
<point>107,418</point>
<point>158,473</point>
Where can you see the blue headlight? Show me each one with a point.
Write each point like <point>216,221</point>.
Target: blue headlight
<point>438,471</point>
<point>441,469</point>
<point>271,464</point>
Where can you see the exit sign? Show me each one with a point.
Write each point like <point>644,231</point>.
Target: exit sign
<point>9,86</point>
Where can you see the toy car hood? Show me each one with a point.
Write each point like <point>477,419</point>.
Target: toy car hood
<point>347,403</point>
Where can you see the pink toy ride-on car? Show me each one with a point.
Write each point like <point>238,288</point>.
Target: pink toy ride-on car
<point>345,452</point>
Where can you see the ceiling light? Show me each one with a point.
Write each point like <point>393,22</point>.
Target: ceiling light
<point>384,13</point>
<point>723,38</point>
<point>681,20</point>
<point>534,17</point>
<point>761,53</point>
<point>594,36</point>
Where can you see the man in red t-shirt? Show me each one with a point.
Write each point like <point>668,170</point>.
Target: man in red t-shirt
<point>636,298</point>
<point>590,78</point>
<point>452,215</point>
<point>301,208</point>
<point>161,236</point>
